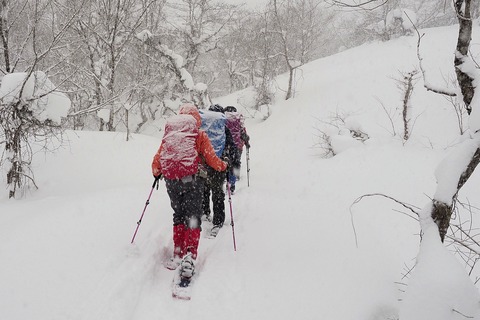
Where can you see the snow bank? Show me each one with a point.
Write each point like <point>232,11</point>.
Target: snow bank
<point>39,94</point>
<point>439,287</point>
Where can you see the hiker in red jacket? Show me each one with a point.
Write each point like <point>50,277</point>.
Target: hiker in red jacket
<point>179,160</point>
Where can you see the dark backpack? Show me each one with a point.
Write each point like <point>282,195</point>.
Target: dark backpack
<point>179,157</point>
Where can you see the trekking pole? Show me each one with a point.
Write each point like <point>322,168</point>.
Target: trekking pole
<point>145,208</point>
<point>231,213</point>
<point>248,167</point>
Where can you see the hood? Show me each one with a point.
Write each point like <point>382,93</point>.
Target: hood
<point>191,110</point>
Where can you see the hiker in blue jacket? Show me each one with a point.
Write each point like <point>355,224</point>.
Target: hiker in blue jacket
<point>214,124</point>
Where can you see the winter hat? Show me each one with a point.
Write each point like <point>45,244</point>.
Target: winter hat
<point>230,109</point>
<point>191,110</point>
<point>216,108</point>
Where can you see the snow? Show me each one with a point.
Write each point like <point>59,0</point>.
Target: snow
<point>38,92</point>
<point>451,168</point>
<point>406,16</point>
<point>342,142</point>
<point>187,79</point>
<point>305,248</point>
<point>104,114</point>
<point>201,87</point>
<point>144,35</point>
<point>437,271</point>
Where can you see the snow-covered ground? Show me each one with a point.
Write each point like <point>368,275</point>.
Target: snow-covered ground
<point>303,250</point>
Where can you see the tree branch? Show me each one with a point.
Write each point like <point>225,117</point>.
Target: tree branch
<point>424,73</point>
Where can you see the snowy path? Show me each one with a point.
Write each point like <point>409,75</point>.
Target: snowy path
<point>296,253</point>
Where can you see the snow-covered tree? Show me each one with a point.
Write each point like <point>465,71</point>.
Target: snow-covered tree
<point>182,79</point>
<point>296,27</point>
<point>234,52</point>
<point>31,106</point>
<point>381,20</point>
<point>107,30</point>
<point>199,25</point>
<point>31,110</point>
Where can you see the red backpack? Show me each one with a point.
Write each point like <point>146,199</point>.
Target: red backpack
<point>179,157</point>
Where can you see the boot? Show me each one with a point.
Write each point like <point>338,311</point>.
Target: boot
<point>214,231</point>
<point>192,238</point>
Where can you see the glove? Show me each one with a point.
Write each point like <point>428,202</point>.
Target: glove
<point>156,180</point>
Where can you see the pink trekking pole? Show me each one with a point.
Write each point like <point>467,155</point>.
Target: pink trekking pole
<point>145,208</point>
<point>231,215</point>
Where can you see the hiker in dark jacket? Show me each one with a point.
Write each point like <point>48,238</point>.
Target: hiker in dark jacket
<point>235,123</point>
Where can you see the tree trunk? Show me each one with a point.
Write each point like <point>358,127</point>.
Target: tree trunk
<point>406,104</point>
<point>4,34</point>
<point>14,149</point>
<point>442,212</point>
<point>290,83</point>
<point>126,124</point>
<point>463,44</point>
<point>13,128</point>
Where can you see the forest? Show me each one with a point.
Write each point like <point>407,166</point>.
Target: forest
<point>125,65</point>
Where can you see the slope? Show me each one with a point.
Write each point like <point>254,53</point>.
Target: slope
<point>303,250</point>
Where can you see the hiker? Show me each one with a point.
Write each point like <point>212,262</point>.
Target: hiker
<point>178,160</point>
<point>235,123</point>
<point>213,123</point>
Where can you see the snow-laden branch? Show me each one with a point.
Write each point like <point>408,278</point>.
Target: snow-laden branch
<point>426,83</point>
<point>361,5</point>
<point>37,93</point>
<point>176,64</point>
<point>453,171</point>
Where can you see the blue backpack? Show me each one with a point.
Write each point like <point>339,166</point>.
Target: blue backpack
<point>213,123</point>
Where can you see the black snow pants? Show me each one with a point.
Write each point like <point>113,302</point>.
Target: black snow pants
<point>214,184</point>
<point>186,197</point>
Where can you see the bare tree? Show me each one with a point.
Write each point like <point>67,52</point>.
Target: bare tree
<point>296,26</point>
<point>406,86</point>
<point>235,51</point>
<point>107,30</point>
<point>268,65</point>
<point>201,24</point>
<point>182,81</point>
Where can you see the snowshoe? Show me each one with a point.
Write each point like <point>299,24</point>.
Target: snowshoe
<point>214,231</point>
<point>182,281</point>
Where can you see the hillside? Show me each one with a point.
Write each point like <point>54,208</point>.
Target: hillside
<point>303,250</point>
